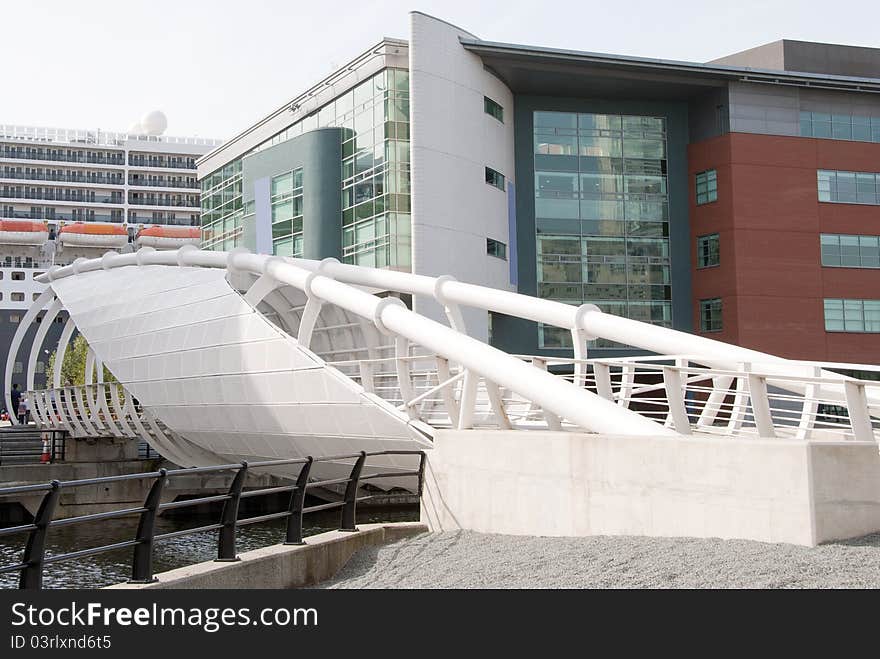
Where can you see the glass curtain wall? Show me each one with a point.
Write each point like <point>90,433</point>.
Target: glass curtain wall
<point>221,208</point>
<point>602,216</point>
<point>375,174</point>
<point>287,213</point>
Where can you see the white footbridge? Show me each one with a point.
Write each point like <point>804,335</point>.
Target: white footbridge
<point>220,357</point>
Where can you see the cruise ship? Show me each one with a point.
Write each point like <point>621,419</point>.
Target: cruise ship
<point>71,193</point>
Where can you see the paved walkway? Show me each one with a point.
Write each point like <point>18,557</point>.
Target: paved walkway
<point>464,559</point>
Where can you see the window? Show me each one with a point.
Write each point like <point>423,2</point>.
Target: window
<point>852,315</point>
<point>707,187</point>
<point>492,108</point>
<point>840,126</point>
<point>17,297</point>
<point>708,253</point>
<point>496,248</point>
<point>601,216</point>
<point>287,213</point>
<point>550,336</point>
<point>842,251</point>
<point>17,276</point>
<point>494,178</point>
<point>14,318</point>
<point>848,187</point>
<point>710,315</point>
<point>34,296</point>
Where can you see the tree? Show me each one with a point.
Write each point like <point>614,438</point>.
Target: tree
<point>73,369</point>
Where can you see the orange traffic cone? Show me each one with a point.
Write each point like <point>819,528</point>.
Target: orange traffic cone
<point>46,457</point>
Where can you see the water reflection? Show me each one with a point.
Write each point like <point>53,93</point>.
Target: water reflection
<point>115,567</point>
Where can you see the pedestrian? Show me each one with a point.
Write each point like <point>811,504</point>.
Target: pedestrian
<point>16,400</point>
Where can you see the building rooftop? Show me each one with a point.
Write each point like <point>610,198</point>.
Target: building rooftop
<point>809,57</point>
<point>97,137</point>
<point>522,66</point>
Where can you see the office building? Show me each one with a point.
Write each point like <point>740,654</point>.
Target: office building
<point>738,198</point>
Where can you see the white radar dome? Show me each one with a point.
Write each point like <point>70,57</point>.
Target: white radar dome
<point>154,123</point>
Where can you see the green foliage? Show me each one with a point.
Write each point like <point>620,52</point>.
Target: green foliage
<point>73,369</point>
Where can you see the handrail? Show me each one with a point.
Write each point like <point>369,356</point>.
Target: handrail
<point>34,557</point>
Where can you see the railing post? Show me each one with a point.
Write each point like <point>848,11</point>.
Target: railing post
<point>468,400</point>
<point>553,422</point>
<point>35,552</point>
<point>142,563</point>
<point>602,375</point>
<point>627,382</point>
<point>857,408</point>
<point>226,540</point>
<point>760,405</point>
<point>349,509</point>
<point>297,503</point>
<point>672,381</point>
<point>810,408</point>
<point>443,374</point>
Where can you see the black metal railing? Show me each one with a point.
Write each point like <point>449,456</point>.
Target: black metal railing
<point>34,558</point>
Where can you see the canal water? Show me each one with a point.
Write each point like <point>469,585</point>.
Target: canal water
<point>114,567</point>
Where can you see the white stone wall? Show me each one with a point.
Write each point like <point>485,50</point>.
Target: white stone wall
<point>453,140</point>
<point>575,484</point>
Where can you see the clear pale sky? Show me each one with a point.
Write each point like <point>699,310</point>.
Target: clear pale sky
<point>216,67</point>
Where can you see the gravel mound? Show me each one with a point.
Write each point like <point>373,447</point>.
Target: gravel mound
<point>464,559</point>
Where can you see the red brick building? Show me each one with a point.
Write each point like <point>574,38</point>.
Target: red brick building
<point>769,220</point>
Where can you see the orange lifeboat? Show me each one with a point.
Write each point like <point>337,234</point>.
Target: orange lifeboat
<point>83,234</point>
<point>168,237</point>
<point>23,232</point>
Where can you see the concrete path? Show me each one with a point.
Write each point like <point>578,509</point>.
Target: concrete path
<point>465,559</point>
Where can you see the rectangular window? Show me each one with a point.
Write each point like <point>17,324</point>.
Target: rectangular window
<point>17,297</point>
<point>852,316</point>
<point>550,336</point>
<point>848,187</point>
<point>708,251</point>
<point>494,109</point>
<point>494,178</point>
<point>17,276</point>
<point>707,187</point>
<point>710,315</point>
<point>855,128</point>
<point>842,251</point>
<point>496,248</point>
